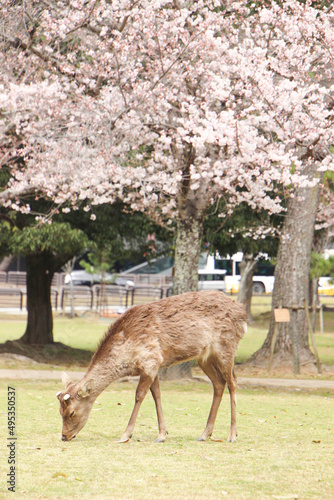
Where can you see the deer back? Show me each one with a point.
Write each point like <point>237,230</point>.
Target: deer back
<point>175,329</point>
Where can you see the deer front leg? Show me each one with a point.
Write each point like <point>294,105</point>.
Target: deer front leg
<point>155,390</point>
<point>143,386</point>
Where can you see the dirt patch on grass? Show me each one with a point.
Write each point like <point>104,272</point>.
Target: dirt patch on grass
<point>308,372</point>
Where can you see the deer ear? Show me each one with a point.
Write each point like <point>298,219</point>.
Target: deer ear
<point>66,380</point>
<point>86,389</point>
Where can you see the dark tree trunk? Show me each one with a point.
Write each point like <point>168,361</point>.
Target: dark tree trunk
<point>40,271</point>
<point>247,267</point>
<point>291,285</point>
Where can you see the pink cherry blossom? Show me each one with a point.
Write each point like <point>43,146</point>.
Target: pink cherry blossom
<point>144,100</point>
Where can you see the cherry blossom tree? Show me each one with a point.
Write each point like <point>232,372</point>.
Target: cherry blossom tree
<point>168,105</point>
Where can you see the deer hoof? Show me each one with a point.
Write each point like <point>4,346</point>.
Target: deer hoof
<point>124,439</point>
<point>160,440</point>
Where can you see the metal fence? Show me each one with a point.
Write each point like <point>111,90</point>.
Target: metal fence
<point>11,298</point>
<point>106,296</point>
<point>102,298</point>
<point>148,279</point>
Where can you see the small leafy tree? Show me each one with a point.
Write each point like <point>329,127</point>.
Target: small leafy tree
<point>46,247</point>
<point>100,262</point>
<point>322,266</point>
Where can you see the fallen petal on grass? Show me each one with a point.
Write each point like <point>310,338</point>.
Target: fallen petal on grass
<point>283,497</point>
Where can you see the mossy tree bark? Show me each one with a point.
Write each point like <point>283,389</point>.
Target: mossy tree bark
<point>187,252</point>
<point>292,284</point>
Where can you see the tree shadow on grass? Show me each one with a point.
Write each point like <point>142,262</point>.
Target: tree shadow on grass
<point>50,354</point>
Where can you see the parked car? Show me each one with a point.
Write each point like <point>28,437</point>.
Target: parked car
<point>82,278</point>
<point>161,266</point>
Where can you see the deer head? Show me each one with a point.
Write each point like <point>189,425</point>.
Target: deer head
<point>75,405</point>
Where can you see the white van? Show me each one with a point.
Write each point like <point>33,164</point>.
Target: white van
<point>263,279</point>
<point>211,279</point>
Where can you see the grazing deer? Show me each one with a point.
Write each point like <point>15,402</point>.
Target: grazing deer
<point>205,326</point>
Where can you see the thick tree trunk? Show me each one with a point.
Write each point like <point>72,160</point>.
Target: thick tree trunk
<point>247,267</point>
<point>291,285</point>
<point>39,277</point>
<point>187,252</point>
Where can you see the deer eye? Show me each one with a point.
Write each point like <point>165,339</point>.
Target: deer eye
<point>71,414</point>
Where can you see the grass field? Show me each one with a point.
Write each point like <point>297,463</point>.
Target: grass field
<point>284,449</point>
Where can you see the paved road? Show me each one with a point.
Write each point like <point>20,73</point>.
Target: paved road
<point>242,381</point>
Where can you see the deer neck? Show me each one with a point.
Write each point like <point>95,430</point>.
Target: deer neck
<point>103,374</point>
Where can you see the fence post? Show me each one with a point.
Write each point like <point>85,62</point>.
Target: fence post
<point>311,332</point>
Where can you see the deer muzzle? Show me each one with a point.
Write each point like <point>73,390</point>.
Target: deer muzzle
<point>65,438</point>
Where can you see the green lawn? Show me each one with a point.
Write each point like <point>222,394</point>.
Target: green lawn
<point>251,342</point>
<point>80,332</point>
<point>284,449</point>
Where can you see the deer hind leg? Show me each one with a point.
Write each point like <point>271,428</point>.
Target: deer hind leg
<point>155,390</point>
<point>210,368</point>
<point>232,383</point>
<point>144,384</point>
